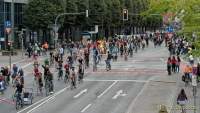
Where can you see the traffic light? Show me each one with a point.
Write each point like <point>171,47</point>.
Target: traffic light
<point>125,14</point>
<point>9,46</point>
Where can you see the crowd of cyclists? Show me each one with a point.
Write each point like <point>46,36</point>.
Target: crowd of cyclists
<point>70,66</point>
<point>70,61</point>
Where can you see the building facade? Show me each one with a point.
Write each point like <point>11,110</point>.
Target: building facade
<point>5,15</point>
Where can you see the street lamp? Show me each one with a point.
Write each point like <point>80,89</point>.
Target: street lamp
<point>58,16</point>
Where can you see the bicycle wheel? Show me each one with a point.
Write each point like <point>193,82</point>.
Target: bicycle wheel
<point>17,104</point>
<point>47,88</point>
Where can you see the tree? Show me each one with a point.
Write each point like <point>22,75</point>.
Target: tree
<point>39,14</point>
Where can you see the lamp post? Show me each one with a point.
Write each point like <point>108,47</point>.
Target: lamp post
<point>12,21</point>
<point>56,20</point>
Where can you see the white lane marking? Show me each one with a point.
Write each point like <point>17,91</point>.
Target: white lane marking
<point>46,99</point>
<point>117,94</point>
<point>139,81</point>
<point>19,61</point>
<point>84,109</point>
<point>107,89</point>
<point>126,69</point>
<point>26,65</point>
<point>79,94</point>
<point>138,95</point>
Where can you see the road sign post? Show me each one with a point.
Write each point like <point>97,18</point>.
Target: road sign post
<point>194,84</point>
<point>8,30</point>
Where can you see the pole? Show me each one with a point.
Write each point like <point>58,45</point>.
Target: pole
<point>12,31</point>
<point>194,95</point>
<point>4,18</point>
<point>12,20</point>
<point>194,84</point>
<point>56,27</point>
<point>22,44</point>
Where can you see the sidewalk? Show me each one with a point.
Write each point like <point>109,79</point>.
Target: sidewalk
<point>189,92</point>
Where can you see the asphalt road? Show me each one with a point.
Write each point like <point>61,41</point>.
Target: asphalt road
<point>115,91</point>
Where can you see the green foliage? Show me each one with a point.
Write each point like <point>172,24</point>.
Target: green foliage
<point>40,13</point>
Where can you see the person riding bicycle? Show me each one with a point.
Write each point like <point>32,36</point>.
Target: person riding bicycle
<point>51,57</point>
<point>60,65</point>
<point>49,78</point>
<point>14,72</point>
<point>182,100</point>
<point>67,70</point>
<point>6,74</point>
<point>2,84</point>
<point>21,75</point>
<point>80,70</point>
<point>108,60</point>
<point>19,89</point>
<point>70,61</point>
<point>86,57</point>
<point>73,78</point>
<point>187,73</point>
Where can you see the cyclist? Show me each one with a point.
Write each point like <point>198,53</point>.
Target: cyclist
<point>169,66</point>
<point>14,72</point>
<point>46,62</point>
<point>49,79</point>
<point>6,73</point>
<point>80,70</point>
<point>66,66</point>
<point>86,57</point>
<point>108,60</point>
<point>60,72</point>
<point>51,57</point>
<point>187,73</point>
<point>21,75</point>
<point>182,100</point>
<point>2,84</point>
<point>70,61</point>
<point>73,78</point>
<point>19,89</point>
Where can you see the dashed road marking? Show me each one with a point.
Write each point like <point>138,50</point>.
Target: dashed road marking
<point>84,109</point>
<point>107,89</point>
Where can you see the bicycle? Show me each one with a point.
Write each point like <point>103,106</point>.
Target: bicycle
<point>80,78</point>
<point>19,101</point>
<point>73,84</point>
<point>51,61</point>
<point>60,74</point>
<point>48,87</point>
<point>94,66</point>
<point>66,77</point>
<point>108,66</point>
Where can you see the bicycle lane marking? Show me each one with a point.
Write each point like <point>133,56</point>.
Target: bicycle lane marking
<point>42,102</point>
<point>6,101</point>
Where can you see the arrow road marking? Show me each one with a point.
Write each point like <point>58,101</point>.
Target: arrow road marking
<point>79,94</point>
<point>119,93</point>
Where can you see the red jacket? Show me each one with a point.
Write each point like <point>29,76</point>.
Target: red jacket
<point>174,61</point>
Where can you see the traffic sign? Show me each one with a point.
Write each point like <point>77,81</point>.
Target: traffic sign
<point>170,29</point>
<point>8,24</point>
